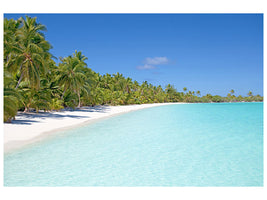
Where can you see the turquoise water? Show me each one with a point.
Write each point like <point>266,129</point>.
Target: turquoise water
<point>174,145</point>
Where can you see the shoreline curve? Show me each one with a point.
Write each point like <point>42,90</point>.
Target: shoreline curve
<point>29,128</point>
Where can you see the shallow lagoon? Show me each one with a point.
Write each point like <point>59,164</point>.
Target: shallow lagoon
<point>175,145</point>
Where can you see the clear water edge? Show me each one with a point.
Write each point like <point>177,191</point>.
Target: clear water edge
<point>44,137</point>
<point>174,145</point>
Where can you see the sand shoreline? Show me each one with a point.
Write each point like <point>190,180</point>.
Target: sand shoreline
<point>29,128</point>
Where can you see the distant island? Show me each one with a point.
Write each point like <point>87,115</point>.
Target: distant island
<point>34,81</point>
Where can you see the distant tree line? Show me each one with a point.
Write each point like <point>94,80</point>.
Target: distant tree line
<point>33,81</point>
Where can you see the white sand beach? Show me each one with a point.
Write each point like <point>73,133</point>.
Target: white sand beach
<point>31,127</point>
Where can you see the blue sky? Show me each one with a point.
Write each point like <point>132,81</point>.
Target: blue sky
<point>213,53</point>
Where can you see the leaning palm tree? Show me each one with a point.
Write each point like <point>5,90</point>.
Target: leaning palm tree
<point>31,52</point>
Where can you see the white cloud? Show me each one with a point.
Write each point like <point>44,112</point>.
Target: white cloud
<point>146,66</point>
<point>149,63</point>
<point>157,61</point>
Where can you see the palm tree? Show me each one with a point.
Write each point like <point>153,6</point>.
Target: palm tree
<point>10,28</point>
<point>171,91</point>
<point>128,84</point>
<point>232,97</point>
<point>250,94</point>
<point>184,89</point>
<point>107,80</point>
<point>118,81</point>
<point>40,99</point>
<point>160,94</point>
<point>240,98</point>
<point>198,93</point>
<point>209,96</point>
<point>11,97</point>
<point>31,52</point>
<point>70,74</point>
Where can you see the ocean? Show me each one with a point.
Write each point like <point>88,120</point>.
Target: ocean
<point>212,144</point>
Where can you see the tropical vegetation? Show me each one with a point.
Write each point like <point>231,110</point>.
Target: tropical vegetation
<point>33,81</point>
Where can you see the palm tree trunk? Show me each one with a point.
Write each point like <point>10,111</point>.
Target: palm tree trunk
<point>20,79</point>
<point>26,109</point>
<point>79,96</point>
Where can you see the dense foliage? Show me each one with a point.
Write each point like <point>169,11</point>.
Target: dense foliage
<point>33,81</point>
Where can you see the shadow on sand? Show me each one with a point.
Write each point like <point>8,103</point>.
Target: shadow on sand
<point>102,109</point>
<point>32,117</point>
<point>23,121</point>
